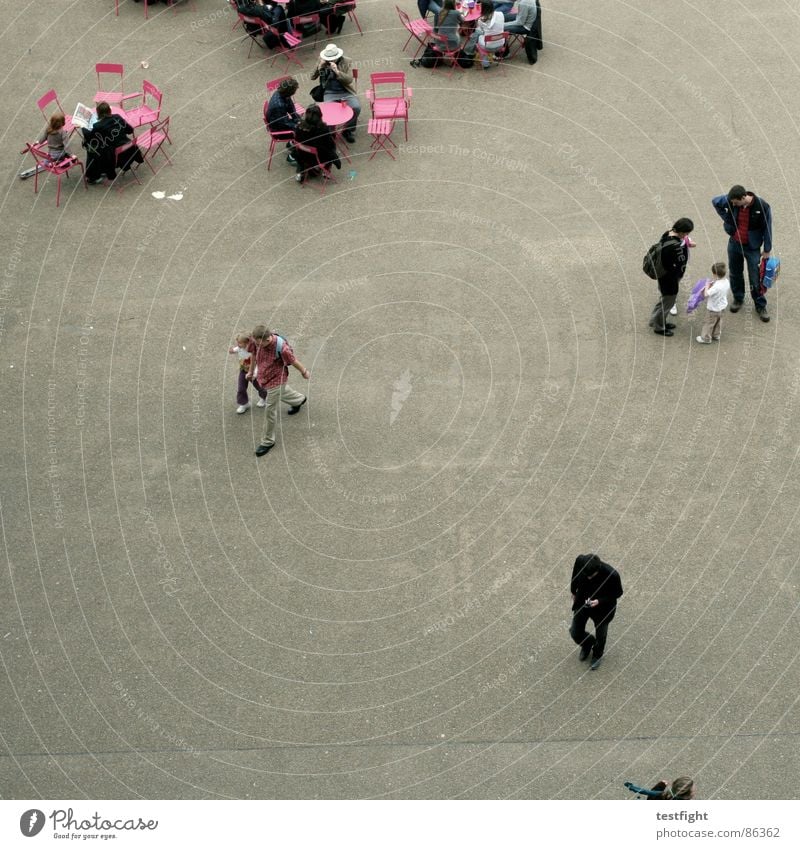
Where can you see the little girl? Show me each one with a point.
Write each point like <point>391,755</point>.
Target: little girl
<point>243,340</point>
<point>56,137</point>
<point>716,294</point>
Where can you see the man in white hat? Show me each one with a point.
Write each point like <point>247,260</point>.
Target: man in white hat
<point>336,77</point>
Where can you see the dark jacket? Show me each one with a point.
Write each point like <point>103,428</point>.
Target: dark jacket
<point>759,228</point>
<point>102,142</point>
<point>674,257</point>
<point>605,586</point>
<point>280,113</point>
<point>324,143</point>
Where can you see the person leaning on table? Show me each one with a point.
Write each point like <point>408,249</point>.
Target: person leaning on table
<point>336,77</point>
<point>101,142</point>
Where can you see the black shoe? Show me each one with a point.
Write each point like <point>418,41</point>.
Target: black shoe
<point>763,314</point>
<point>290,159</point>
<point>596,663</point>
<point>736,306</point>
<point>296,409</point>
<point>262,450</point>
<point>665,332</point>
<point>414,63</point>
<point>669,326</point>
<point>585,652</point>
<point>349,137</point>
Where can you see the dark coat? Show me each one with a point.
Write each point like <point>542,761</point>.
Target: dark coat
<point>101,144</point>
<point>323,141</point>
<point>605,586</point>
<point>674,257</point>
<point>759,227</point>
<point>280,113</point>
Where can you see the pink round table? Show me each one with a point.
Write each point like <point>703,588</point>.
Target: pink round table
<point>336,114</point>
<point>468,14</point>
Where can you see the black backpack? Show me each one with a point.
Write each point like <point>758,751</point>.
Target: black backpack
<point>431,57</point>
<point>652,264</point>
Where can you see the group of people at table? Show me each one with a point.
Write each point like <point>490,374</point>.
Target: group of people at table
<point>285,15</point>
<point>107,143</point>
<point>466,26</point>
<point>336,86</point>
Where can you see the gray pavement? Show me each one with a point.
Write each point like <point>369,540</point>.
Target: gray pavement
<point>379,607</point>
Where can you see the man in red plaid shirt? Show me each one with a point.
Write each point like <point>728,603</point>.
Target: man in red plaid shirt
<point>271,373</point>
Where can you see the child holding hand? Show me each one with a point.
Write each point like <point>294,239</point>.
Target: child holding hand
<point>716,293</point>
<point>245,363</point>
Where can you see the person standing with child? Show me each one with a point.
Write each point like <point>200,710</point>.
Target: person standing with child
<point>715,293</point>
<point>674,255</point>
<point>245,365</point>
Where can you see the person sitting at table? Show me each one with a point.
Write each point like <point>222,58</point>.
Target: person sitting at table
<point>338,83</point>
<point>504,8</point>
<point>280,113</point>
<point>525,19</point>
<point>489,23</point>
<point>56,136</point>
<point>271,13</point>
<point>426,6</point>
<point>101,142</point>
<point>314,132</point>
<point>323,8</point>
<point>448,24</point>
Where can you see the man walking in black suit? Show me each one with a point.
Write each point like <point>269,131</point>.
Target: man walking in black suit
<point>595,588</point>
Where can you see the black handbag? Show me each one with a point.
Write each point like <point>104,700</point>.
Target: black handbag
<point>318,93</point>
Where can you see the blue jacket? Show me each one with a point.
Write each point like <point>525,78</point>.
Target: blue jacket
<point>760,227</point>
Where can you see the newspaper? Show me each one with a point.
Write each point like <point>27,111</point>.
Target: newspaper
<point>84,117</point>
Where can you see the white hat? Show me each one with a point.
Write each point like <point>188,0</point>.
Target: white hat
<point>331,53</point>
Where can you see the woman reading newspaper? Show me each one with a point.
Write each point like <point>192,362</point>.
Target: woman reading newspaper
<point>108,146</point>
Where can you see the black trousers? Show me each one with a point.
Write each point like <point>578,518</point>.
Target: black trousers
<point>577,630</point>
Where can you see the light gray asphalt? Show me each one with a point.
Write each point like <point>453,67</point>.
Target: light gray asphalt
<point>378,608</point>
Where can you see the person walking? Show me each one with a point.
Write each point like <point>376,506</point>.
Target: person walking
<point>747,219</point>
<point>595,588</point>
<point>273,356</point>
<point>674,255</point>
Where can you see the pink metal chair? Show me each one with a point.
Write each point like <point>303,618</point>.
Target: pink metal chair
<point>393,106</point>
<point>304,20</point>
<point>112,96</point>
<point>324,170</point>
<point>152,141</point>
<point>149,110</point>
<point>493,49</point>
<point>347,7</point>
<point>287,47</point>
<point>256,32</point>
<point>418,29</point>
<point>381,132</point>
<point>58,167</point>
<point>238,21</point>
<point>47,100</point>
<point>448,53</point>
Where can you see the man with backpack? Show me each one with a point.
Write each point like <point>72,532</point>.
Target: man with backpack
<point>273,356</point>
<point>666,262</point>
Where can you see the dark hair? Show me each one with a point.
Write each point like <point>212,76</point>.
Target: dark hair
<point>681,788</point>
<point>487,7</point>
<point>447,6</point>
<point>719,269</point>
<point>683,225</point>
<point>592,565</point>
<point>103,109</point>
<point>736,192</point>
<point>287,87</point>
<point>312,119</point>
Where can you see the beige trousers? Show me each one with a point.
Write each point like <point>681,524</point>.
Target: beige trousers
<point>284,393</point>
<point>712,326</point>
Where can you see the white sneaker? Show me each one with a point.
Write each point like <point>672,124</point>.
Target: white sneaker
<point>673,311</point>
<point>243,408</point>
<point>703,341</point>
<point>262,402</point>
